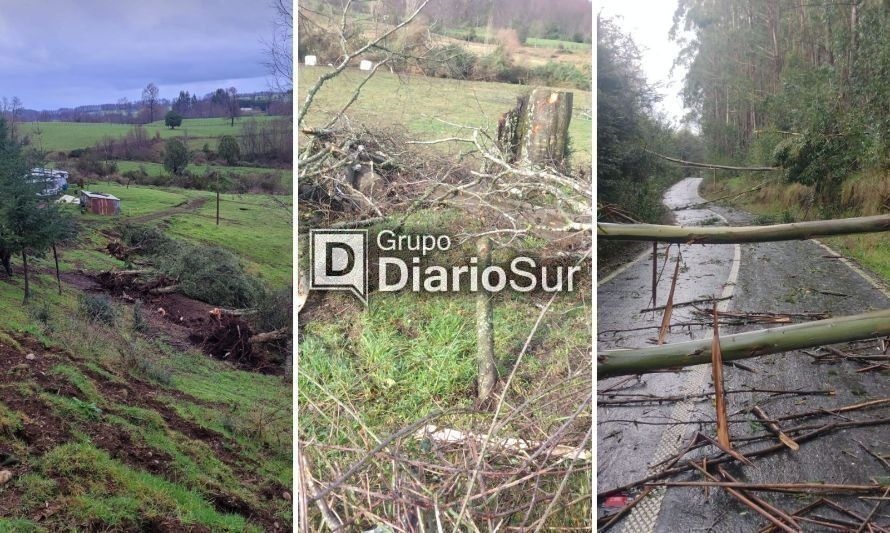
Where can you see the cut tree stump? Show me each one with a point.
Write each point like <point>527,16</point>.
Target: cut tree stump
<point>536,131</point>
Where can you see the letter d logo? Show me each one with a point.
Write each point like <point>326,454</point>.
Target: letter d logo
<point>339,261</point>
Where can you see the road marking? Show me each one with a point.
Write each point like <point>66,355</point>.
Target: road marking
<point>624,267</point>
<point>855,268</point>
<point>644,516</point>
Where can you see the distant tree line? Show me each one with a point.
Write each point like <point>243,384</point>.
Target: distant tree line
<point>568,20</point>
<point>221,103</point>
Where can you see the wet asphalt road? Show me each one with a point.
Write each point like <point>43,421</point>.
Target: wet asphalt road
<point>771,277</point>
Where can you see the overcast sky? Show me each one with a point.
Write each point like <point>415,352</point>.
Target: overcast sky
<point>648,22</point>
<point>65,53</point>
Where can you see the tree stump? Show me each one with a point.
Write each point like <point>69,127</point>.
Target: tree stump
<point>536,131</point>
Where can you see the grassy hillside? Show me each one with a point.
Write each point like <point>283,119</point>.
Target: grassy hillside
<point>66,136</point>
<point>425,105</point>
<point>120,424</point>
<point>780,202</point>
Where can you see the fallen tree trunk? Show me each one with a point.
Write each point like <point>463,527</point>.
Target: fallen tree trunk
<point>711,165</point>
<point>169,289</point>
<point>270,336</point>
<point>744,345</point>
<point>740,234</point>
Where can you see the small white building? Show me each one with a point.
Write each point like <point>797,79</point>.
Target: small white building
<point>310,61</point>
<point>365,65</point>
<point>54,181</point>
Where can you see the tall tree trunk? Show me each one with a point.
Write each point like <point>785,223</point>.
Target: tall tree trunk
<point>58,274</point>
<point>25,267</point>
<point>740,234</point>
<point>6,260</point>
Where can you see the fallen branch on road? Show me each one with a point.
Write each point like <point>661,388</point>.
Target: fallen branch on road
<point>744,345</point>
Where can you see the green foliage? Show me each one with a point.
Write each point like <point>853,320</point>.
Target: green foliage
<point>176,156</point>
<point>228,149</point>
<point>627,175</point>
<point>172,119</point>
<point>450,61</point>
<point>98,308</point>
<point>213,275</point>
<point>149,240</point>
<point>562,74</point>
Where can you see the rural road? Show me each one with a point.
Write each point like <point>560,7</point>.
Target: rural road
<point>784,277</point>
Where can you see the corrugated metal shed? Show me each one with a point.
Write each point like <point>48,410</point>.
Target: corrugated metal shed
<point>100,203</point>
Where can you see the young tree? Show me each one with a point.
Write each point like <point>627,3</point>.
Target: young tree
<point>150,99</point>
<point>228,149</point>
<point>29,225</point>
<point>172,119</point>
<point>176,156</point>
<point>233,108</point>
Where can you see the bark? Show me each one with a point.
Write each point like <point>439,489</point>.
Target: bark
<point>165,290</point>
<point>487,372</point>
<point>536,131</point>
<point>741,234</point>
<point>744,345</point>
<point>270,336</point>
<point>58,274</point>
<point>6,260</point>
<point>27,285</point>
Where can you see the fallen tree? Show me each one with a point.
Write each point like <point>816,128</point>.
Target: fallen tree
<point>740,234</point>
<point>744,345</point>
<point>695,164</point>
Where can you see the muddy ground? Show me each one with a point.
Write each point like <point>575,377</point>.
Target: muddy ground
<point>42,429</point>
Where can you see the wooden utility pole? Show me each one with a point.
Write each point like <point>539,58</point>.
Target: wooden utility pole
<point>217,199</point>
<point>536,131</point>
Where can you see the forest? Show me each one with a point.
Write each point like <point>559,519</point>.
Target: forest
<point>797,85</point>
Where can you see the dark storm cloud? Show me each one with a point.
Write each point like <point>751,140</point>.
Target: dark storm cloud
<point>57,53</point>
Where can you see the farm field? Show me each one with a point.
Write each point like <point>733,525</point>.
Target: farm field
<point>66,136</point>
<point>424,106</point>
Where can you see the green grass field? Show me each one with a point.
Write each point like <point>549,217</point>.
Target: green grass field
<point>258,228</point>
<point>157,169</point>
<point>66,136</point>
<point>423,105</point>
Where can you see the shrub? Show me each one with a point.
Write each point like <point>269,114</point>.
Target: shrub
<point>97,308</point>
<point>176,156</point>
<point>274,310</point>
<point>148,240</point>
<point>451,61</point>
<point>562,74</point>
<point>228,149</point>
<point>213,275</point>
